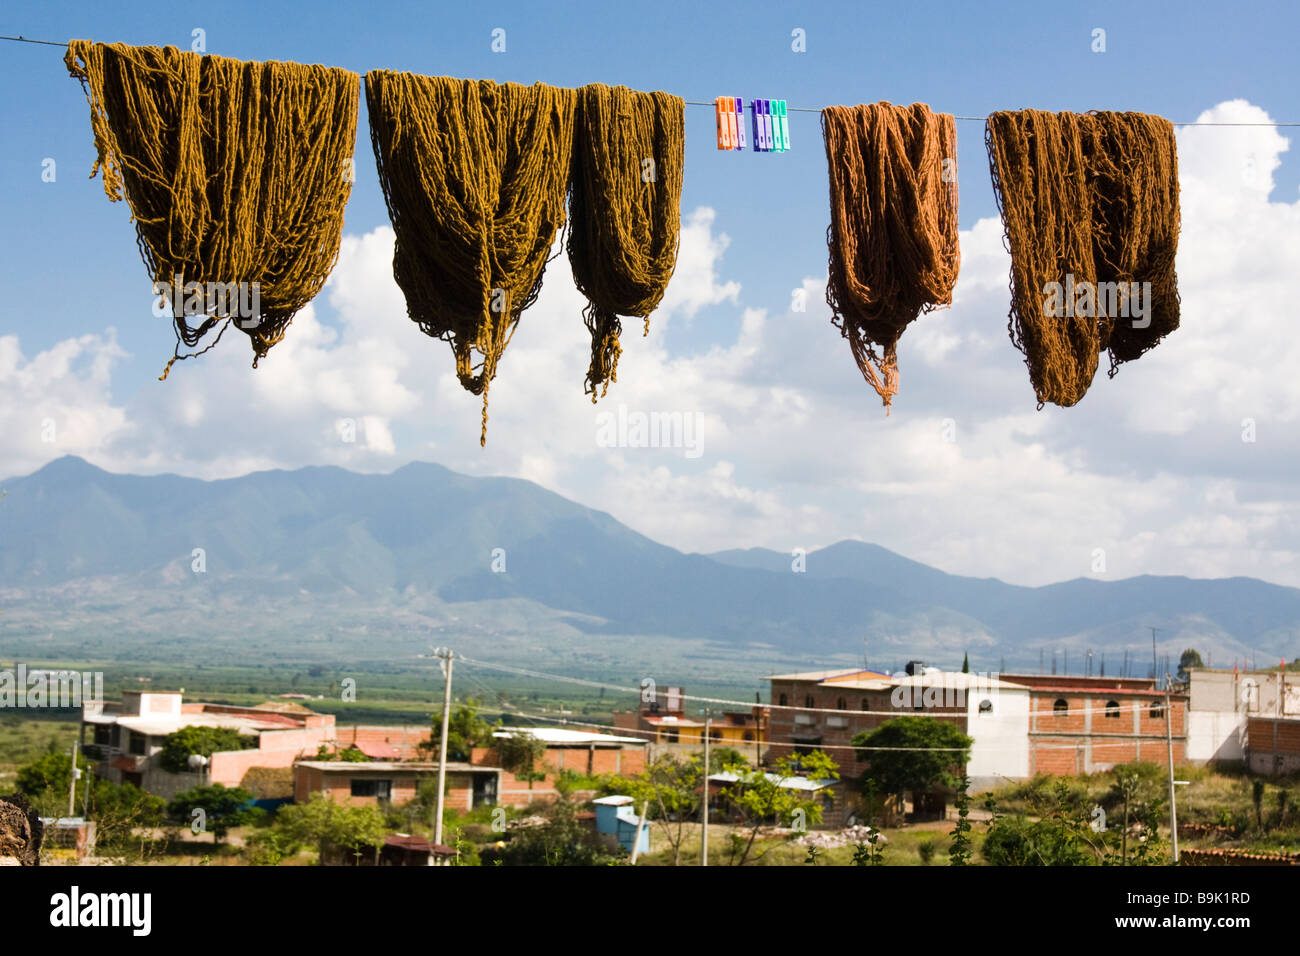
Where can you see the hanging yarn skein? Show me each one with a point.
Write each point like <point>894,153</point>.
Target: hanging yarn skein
<point>893,241</point>
<point>625,209</point>
<point>1136,221</point>
<point>1089,202</point>
<point>474,174</point>
<point>236,175</point>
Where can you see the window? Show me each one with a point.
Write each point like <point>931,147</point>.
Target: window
<point>1157,711</point>
<point>842,704</point>
<point>103,734</point>
<point>1112,709</point>
<point>986,706</point>
<point>866,704</point>
<point>784,700</point>
<point>1060,708</point>
<point>749,735</point>
<point>136,744</point>
<point>809,701</point>
<point>380,789</point>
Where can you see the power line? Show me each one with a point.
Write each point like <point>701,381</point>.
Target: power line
<point>794,109</point>
<point>549,718</point>
<point>525,672</point>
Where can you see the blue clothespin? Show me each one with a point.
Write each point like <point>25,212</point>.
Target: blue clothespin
<point>767,126</point>
<point>756,114</point>
<point>740,122</point>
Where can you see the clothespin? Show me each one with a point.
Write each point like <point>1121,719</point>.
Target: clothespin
<point>726,123</point>
<point>738,117</point>
<point>767,125</point>
<point>784,119</point>
<point>756,115</point>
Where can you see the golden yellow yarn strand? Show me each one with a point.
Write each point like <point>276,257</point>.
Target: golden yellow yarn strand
<point>235,172</point>
<point>474,174</point>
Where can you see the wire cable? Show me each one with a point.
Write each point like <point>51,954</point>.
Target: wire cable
<point>794,109</point>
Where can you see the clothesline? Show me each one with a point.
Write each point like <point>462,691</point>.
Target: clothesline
<point>797,109</point>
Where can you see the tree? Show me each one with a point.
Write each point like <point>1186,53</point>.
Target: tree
<point>465,731</point>
<point>960,853</point>
<point>334,827</point>
<point>917,754</point>
<point>520,753</point>
<point>725,758</point>
<point>1190,658</point>
<point>349,754</point>
<point>757,799</point>
<point>561,840</point>
<point>50,772</point>
<point>181,745</point>
<point>1069,831</point>
<point>670,788</point>
<point>216,807</point>
<point>118,810</point>
<point>965,663</point>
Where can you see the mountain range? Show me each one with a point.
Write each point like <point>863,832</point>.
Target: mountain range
<point>320,556</point>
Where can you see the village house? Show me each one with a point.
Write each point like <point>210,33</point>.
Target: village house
<point>578,751</point>
<point>475,782</point>
<point>661,719</point>
<point>835,705</point>
<point>1223,706</point>
<point>387,783</point>
<point>1081,724</point>
<point>124,738</point>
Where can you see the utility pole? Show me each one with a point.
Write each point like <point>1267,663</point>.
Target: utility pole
<point>704,808</point>
<point>445,657</point>
<point>1155,664</point>
<point>72,783</point>
<point>85,800</point>
<point>1169,743</point>
<point>640,828</point>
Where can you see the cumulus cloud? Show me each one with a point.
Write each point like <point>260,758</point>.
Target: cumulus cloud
<point>795,449</point>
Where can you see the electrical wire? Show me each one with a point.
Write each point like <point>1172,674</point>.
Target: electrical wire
<point>525,672</point>
<point>794,109</point>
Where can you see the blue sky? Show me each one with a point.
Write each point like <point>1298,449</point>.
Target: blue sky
<point>84,348</point>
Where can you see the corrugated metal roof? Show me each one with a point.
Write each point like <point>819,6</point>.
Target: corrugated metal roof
<point>563,735</point>
<point>785,783</point>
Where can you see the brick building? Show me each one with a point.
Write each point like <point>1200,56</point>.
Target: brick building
<point>1088,724</point>
<point>475,782</point>
<point>993,711</point>
<point>661,719</point>
<point>1273,744</point>
<point>124,738</point>
<point>386,782</point>
<point>386,743</point>
<point>1222,704</point>
<point>574,750</point>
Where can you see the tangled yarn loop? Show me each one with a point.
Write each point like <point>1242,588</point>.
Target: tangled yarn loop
<point>893,241</point>
<point>625,207</point>
<point>474,174</point>
<point>1086,200</point>
<point>236,174</point>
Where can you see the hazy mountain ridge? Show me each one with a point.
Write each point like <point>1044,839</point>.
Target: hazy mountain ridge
<point>81,548</point>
